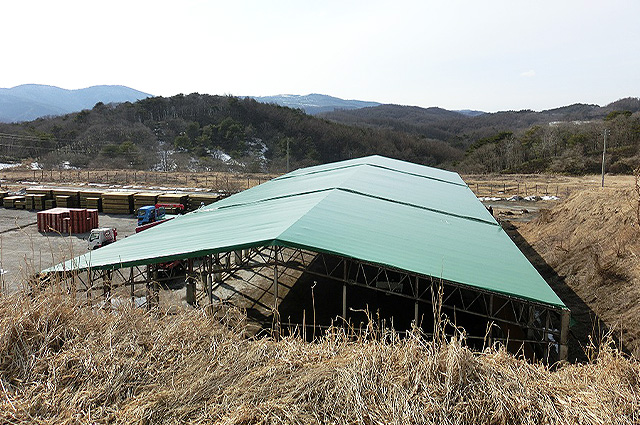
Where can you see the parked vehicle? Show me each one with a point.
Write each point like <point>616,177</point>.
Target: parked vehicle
<point>152,215</point>
<point>102,236</point>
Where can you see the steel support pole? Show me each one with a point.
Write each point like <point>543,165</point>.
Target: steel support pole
<point>416,316</point>
<point>191,283</point>
<point>210,279</point>
<point>490,316</point>
<point>565,320</point>
<point>275,279</point>
<point>133,293</point>
<point>276,314</point>
<point>344,291</point>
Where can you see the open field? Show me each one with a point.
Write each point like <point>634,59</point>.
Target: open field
<point>212,181</point>
<point>506,185</point>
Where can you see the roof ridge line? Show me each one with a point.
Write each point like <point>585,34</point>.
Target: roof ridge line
<point>290,195</point>
<point>286,176</point>
<point>466,217</point>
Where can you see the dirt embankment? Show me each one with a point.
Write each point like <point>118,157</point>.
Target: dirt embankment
<point>592,243</point>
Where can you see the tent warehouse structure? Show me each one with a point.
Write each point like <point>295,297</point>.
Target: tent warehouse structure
<point>373,222</point>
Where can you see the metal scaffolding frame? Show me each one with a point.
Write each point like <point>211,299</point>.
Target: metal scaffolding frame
<point>541,329</point>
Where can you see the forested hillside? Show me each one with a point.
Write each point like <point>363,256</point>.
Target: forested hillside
<point>564,140</point>
<point>205,132</point>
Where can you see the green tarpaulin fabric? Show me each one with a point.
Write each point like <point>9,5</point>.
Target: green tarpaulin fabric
<point>379,210</point>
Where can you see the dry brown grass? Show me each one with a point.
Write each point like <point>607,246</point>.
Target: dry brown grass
<point>505,185</point>
<point>592,240</point>
<point>63,363</point>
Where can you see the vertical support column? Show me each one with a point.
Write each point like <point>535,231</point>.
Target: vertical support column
<point>276,314</point>
<point>531,319</point>
<point>106,285</point>
<point>416,316</point>
<point>191,283</point>
<point>344,290</point>
<point>209,279</point>
<point>565,319</point>
<point>490,317</point>
<point>156,287</point>
<point>217,269</point>
<point>89,283</point>
<point>147,285</point>
<point>546,334</point>
<point>133,290</point>
<point>152,290</point>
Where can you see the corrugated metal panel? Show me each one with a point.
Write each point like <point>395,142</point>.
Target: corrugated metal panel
<point>374,209</point>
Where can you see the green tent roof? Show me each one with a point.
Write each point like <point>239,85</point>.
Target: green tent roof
<point>379,210</point>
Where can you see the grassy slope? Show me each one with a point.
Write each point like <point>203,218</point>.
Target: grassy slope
<point>592,242</point>
<point>60,363</point>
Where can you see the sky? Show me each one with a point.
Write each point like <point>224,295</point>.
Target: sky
<point>454,54</point>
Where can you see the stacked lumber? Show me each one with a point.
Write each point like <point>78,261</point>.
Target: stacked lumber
<point>49,204</point>
<point>9,201</point>
<point>93,203</point>
<point>38,196</point>
<point>85,195</point>
<point>173,198</point>
<point>64,201</point>
<point>71,197</point>
<point>38,201</point>
<point>117,202</point>
<point>67,220</point>
<point>48,193</point>
<point>3,195</point>
<point>20,204</point>
<point>142,199</point>
<point>197,199</point>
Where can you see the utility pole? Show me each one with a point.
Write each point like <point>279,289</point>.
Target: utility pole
<point>605,133</point>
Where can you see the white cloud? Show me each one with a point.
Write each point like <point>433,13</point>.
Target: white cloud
<point>528,74</point>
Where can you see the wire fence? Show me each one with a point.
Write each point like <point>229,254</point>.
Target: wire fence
<point>212,181</point>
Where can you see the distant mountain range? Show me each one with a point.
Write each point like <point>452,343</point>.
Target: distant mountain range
<point>314,103</point>
<point>30,101</point>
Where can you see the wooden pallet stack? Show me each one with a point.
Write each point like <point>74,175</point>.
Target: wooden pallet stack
<point>142,199</point>
<point>52,220</point>
<point>92,215</point>
<point>67,220</point>
<point>3,195</point>
<point>79,220</point>
<point>173,198</point>
<point>197,199</point>
<point>91,199</point>
<point>117,202</point>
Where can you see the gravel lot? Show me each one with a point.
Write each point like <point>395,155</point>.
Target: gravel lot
<point>25,251</point>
